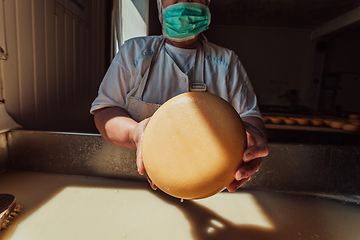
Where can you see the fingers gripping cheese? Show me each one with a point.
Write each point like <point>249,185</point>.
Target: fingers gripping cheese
<point>193,145</point>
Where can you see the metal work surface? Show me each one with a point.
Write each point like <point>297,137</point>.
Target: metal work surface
<point>289,167</point>
<point>67,153</point>
<point>62,207</point>
<point>310,168</point>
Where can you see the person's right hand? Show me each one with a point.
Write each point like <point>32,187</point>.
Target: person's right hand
<point>137,138</point>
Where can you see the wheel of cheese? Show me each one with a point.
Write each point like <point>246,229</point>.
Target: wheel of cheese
<point>289,121</point>
<point>266,119</point>
<point>303,121</point>
<point>276,120</point>
<point>193,144</point>
<point>351,127</point>
<point>354,116</point>
<point>317,122</point>
<point>355,122</point>
<point>337,124</point>
<point>328,122</point>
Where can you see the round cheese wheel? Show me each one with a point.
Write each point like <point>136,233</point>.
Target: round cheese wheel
<point>303,121</point>
<point>337,124</point>
<point>317,122</point>
<point>276,120</point>
<point>355,122</point>
<point>328,122</point>
<point>266,119</point>
<point>289,121</point>
<point>354,116</point>
<point>351,127</point>
<point>193,144</point>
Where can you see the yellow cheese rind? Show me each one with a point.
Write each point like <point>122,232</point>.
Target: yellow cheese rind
<point>288,121</point>
<point>351,127</point>
<point>276,120</point>
<point>317,122</point>
<point>355,122</point>
<point>337,124</point>
<point>303,121</point>
<point>193,144</point>
<point>266,119</point>
<point>354,116</point>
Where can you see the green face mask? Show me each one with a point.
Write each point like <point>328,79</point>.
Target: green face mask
<point>184,21</point>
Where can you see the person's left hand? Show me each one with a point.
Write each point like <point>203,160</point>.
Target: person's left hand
<point>138,136</point>
<point>252,157</point>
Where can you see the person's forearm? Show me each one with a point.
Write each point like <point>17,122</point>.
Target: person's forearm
<point>258,123</point>
<point>116,126</point>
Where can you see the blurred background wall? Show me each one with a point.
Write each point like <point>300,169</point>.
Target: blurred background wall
<point>57,54</point>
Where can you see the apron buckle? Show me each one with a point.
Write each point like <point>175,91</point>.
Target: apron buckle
<point>197,87</point>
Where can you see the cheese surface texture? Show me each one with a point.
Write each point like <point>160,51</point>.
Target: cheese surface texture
<point>193,145</point>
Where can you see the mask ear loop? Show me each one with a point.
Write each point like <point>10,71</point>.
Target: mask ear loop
<point>204,37</point>
<point>160,9</point>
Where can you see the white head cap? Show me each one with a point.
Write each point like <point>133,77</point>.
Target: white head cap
<point>160,8</point>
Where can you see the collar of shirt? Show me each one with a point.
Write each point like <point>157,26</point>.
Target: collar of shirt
<point>184,58</point>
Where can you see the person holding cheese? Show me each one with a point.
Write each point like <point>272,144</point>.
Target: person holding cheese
<point>148,71</point>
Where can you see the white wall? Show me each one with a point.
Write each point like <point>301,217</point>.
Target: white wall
<point>276,60</point>
<point>55,63</point>
<point>134,18</point>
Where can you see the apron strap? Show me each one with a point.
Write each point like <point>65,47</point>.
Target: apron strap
<point>198,84</point>
<point>198,68</point>
<point>142,85</point>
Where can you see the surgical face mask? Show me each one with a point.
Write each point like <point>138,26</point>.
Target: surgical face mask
<point>184,21</point>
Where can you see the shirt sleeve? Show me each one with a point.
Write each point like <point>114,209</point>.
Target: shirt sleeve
<point>242,95</point>
<point>114,86</point>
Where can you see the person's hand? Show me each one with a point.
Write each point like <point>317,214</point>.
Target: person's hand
<point>252,158</point>
<point>137,137</point>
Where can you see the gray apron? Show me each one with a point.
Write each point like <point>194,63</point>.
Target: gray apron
<point>138,109</point>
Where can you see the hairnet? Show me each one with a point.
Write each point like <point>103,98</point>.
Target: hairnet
<point>159,5</point>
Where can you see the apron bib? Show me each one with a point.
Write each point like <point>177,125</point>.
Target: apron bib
<point>138,109</point>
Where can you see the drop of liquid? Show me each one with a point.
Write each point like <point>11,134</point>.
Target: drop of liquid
<point>182,200</point>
